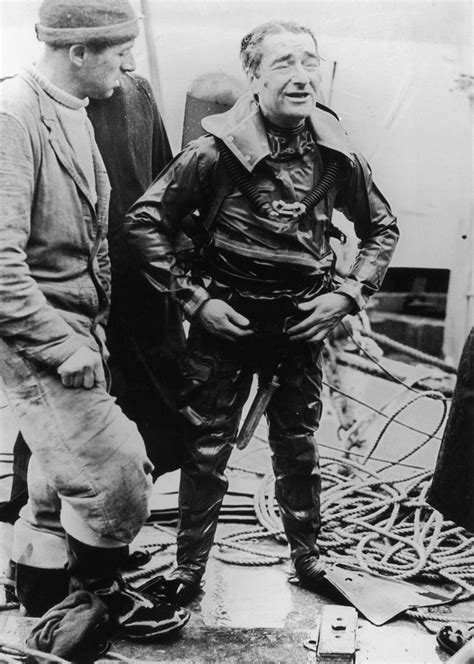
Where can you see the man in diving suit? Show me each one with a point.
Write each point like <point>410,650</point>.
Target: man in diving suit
<point>265,180</point>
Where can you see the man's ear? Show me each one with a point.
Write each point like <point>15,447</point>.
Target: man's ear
<point>252,81</point>
<point>76,54</point>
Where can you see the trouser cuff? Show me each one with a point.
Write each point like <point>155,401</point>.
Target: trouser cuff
<point>80,530</point>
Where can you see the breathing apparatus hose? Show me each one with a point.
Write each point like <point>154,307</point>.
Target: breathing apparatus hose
<point>242,179</point>
<point>323,187</point>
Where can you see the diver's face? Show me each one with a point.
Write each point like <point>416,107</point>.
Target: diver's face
<point>287,80</point>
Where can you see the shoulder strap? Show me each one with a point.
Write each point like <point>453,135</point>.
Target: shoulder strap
<point>226,175</point>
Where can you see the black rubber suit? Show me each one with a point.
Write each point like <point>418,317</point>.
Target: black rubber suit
<point>263,267</point>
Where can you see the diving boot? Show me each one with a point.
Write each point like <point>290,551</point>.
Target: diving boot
<point>309,570</point>
<point>133,615</point>
<point>302,537</point>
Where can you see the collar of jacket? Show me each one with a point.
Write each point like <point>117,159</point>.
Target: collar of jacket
<point>64,152</point>
<point>242,130</point>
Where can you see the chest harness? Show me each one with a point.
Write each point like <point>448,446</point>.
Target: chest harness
<point>199,230</point>
<point>281,209</point>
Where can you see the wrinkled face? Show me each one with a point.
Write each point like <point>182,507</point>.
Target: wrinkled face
<point>100,72</point>
<point>288,77</point>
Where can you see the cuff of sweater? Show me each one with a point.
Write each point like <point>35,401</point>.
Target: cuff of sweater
<point>192,306</point>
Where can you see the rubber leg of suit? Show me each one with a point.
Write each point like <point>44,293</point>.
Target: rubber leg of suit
<point>219,386</point>
<point>294,413</point>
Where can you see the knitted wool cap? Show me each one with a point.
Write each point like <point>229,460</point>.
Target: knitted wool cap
<point>65,22</point>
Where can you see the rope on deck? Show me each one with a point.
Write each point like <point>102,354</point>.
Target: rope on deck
<point>409,351</point>
<point>379,370</point>
<point>382,525</point>
<point>369,519</point>
<point>379,525</point>
<point>426,616</point>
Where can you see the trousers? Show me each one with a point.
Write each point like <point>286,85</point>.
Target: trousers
<point>219,376</point>
<point>89,475</point>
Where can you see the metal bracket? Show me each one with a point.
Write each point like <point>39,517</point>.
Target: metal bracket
<point>337,636</point>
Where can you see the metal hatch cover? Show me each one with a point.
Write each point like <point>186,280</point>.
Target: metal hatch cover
<point>378,598</point>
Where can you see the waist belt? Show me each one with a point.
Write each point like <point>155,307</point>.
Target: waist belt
<point>257,308</point>
<point>268,314</point>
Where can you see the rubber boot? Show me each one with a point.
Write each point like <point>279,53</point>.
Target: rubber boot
<point>202,488</point>
<point>299,502</point>
<point>38,589</point>
<point>200,499</point>
<point>197,526</point>
<point>304,552</point>
<point>10,509</point>
<point>134,615</point>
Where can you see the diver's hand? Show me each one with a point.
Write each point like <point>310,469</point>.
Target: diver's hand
<point>82,369</point>
<point>325,312</point>
<point>219,318</point>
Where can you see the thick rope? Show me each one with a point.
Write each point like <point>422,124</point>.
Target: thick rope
<point>154,548</point>
<point>387,342</point>
<point>382,525</point>
<point>369,522</point>
<point>372,367</point>
<point>149,572</point>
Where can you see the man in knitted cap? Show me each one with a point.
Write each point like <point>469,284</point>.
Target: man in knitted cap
<point>265,180</point>
<point>89,478</point>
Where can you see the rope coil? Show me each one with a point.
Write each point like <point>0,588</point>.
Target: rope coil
<point>367,521</point>
<point>382,525</point>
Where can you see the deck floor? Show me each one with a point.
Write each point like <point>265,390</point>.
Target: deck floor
<point>254,614</point>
